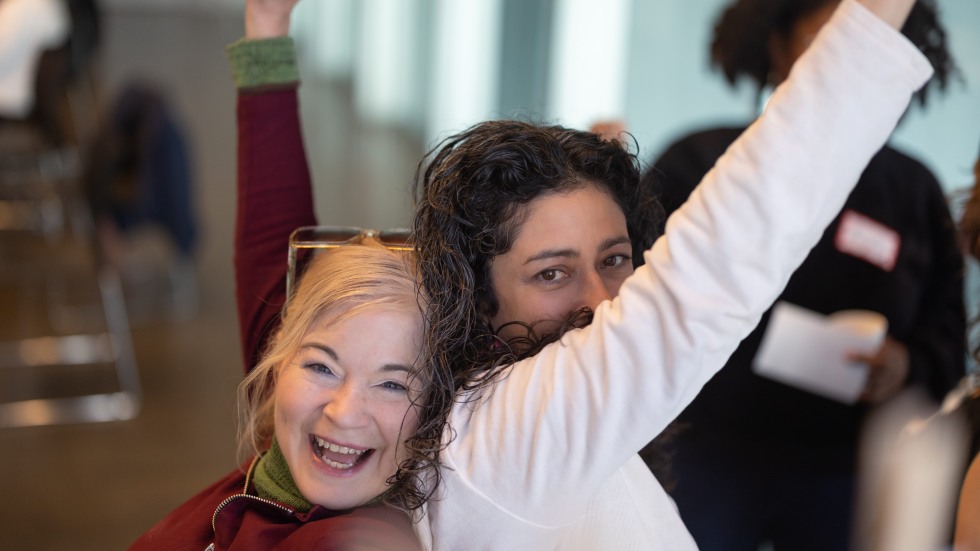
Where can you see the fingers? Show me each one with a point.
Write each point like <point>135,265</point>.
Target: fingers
<point>892,12</point>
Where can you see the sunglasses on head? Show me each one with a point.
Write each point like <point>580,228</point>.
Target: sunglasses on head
<point>307,240</point>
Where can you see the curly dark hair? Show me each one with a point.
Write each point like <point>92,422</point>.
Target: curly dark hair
<point>471,194</point>
<point>740,45</point>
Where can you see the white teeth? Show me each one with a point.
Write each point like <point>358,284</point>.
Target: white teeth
<point>337,449</point>
<point>336,465</point>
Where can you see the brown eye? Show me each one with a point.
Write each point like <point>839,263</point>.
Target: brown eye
<point>550,276</point>
<point>615,260</point>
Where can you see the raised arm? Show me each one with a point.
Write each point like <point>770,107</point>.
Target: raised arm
<point>274,188</point>
<point>267,18</point>
<point>578,410</point>
<point>891,12</point>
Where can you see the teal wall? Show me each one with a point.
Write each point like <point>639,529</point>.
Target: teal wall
<point>672,90</point>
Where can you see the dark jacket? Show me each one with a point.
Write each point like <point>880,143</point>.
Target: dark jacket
<point>921,296</point>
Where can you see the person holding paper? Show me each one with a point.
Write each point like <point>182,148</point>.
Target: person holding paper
<point>761,460</point>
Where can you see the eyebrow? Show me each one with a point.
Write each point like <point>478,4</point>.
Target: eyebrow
<point>613,241</point>
<point>552,253</point>
<point>572,253</point>
<point>386,368</point>
<point>323,348</point>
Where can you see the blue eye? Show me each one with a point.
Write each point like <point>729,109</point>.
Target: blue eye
<point>318,368</point>
<point>392,385</point>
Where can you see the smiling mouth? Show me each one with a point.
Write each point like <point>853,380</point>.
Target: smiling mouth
<point>336,456</point>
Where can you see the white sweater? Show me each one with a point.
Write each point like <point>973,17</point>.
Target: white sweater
<point>548,460</point>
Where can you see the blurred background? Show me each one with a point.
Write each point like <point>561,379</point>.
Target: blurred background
<point>383,81</point>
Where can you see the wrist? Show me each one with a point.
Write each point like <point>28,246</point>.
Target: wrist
<point>264,23</point>
<point>892,12</point>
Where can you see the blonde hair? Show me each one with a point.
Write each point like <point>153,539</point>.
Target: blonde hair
<point>337,284</point>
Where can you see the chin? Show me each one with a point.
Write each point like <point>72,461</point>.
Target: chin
<point>339,502</point>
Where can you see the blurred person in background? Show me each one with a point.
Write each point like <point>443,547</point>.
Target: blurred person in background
<point>138,173</point>
<point>757,460</point>
<point>33,63</point>
<point>27,29</point>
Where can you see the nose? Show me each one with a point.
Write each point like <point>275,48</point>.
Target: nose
<point>595,290</point>
<point>346,407</point>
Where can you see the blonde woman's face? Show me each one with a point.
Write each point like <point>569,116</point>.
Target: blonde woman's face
<point>342,406</point>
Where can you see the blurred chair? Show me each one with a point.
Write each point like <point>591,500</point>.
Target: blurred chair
<point>137,180</point>
<point>53,269</point>
<point>68,324</point>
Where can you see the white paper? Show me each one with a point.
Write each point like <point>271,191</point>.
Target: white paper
<point>810,351</point>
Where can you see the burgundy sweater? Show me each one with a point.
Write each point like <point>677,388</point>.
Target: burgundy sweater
<point>275,196</point>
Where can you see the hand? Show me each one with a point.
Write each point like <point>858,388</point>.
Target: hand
<point>888,369</point>
<point>267,18</point>
<point>893,12</point>
<point>608,130</point>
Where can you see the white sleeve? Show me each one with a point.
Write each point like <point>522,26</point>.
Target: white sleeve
<point>563,421</point>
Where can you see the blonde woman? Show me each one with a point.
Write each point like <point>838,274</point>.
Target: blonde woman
<point>325,415</point>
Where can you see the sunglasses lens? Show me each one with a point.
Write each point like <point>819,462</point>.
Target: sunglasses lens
<point>336,235</point>
<point>395,238</point>
<point>317,237</point>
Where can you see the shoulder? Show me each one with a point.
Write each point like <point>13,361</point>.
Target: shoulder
<point>378,527</point>
<point>895,156</point>
<point>682,165</point>
<point>708,143</point>
<point>903,174</point>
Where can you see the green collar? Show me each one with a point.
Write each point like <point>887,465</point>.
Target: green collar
<point>274,481</point>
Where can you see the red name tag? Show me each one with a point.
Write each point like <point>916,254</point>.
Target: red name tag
<point>867,239</point>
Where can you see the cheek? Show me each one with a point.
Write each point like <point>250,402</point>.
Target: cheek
<point>398,425</point>
<point>294,400</point>
<point>530,305</point>
<point>615,282</point>
<point>285,396</point>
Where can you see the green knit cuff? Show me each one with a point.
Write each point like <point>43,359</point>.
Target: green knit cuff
<point>261,63</point>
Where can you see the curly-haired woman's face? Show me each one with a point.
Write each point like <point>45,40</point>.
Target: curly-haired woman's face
<point>573,250</point>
